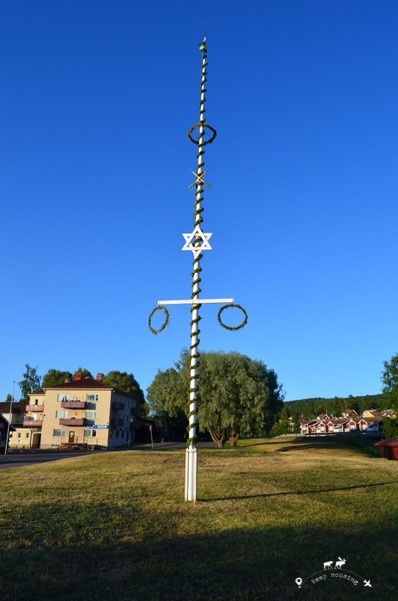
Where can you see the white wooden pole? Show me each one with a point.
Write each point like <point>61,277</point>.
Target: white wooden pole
<point>197,242</point>
<point>191,461</point>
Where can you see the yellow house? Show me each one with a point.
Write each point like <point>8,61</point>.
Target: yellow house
<point>370,414</point>
<point>81,412</point>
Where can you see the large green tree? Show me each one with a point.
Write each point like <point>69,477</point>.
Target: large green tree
<point>390,380</point>
<point>237,396</point>
<point>288,422</point>
<point>127,383</point>
<point>54,377</point>
<point>390,388</point>
<point>84,373</point>
<point>30,381</point>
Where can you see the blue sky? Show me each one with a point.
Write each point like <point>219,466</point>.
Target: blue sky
<point>96,99</point>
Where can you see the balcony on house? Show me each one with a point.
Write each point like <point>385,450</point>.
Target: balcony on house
<point>73,404</point>
<point>32,423</point>
<point>35,408</point>
<point>72,421</point>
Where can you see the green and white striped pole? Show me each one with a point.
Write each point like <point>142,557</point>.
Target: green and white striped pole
<point>197,241</point>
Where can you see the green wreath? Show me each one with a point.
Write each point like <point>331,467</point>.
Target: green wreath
<point>166,319</point>
<point>232,306</point>
<point>205,125</point>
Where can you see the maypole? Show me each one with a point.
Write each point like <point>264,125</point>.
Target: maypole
<point>197,241</point>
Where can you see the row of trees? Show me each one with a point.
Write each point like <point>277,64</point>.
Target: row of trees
<point>307,408</point>
<point>237,396</point>
<point>293,411</point>
<point>124,381</point>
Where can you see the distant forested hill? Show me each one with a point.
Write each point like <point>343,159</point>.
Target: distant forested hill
<point>307,408</point>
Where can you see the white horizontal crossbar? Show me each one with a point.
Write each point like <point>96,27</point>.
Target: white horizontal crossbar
<point>196,301</point>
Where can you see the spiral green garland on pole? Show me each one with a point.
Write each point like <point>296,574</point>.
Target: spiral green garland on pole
<point>201,142</point>
<point>201,134</point>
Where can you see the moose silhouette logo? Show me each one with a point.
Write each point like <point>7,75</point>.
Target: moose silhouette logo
<point>334,571</point>
<point>338,564</point>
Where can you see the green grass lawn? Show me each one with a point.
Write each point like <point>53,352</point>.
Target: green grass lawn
<point>114,526</point>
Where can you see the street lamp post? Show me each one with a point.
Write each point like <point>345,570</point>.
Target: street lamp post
<point>9,420</point>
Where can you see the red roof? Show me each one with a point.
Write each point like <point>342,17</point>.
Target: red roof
<point>87,383</point>
<point>83,383</point>
<point>390,442</point>
<point>17,407</point>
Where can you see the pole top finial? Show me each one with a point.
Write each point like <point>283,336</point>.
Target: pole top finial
<point>202,45</point>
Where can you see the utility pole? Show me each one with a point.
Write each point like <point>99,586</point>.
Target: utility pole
<point>9,419</point>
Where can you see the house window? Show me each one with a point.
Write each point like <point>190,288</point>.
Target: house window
<point>62,397</point>
<point>91,414</point>
<point>90,432</point>
<point>27,435</point>
<point>92,398</point>
<point>61,413</point>
<point>57,432</point>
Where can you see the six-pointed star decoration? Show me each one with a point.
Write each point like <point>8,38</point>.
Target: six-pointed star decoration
<point>197,241</point>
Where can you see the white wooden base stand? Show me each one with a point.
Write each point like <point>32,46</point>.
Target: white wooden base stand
<point>191,473</point>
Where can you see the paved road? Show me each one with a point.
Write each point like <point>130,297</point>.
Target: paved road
<point>21,458</point>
